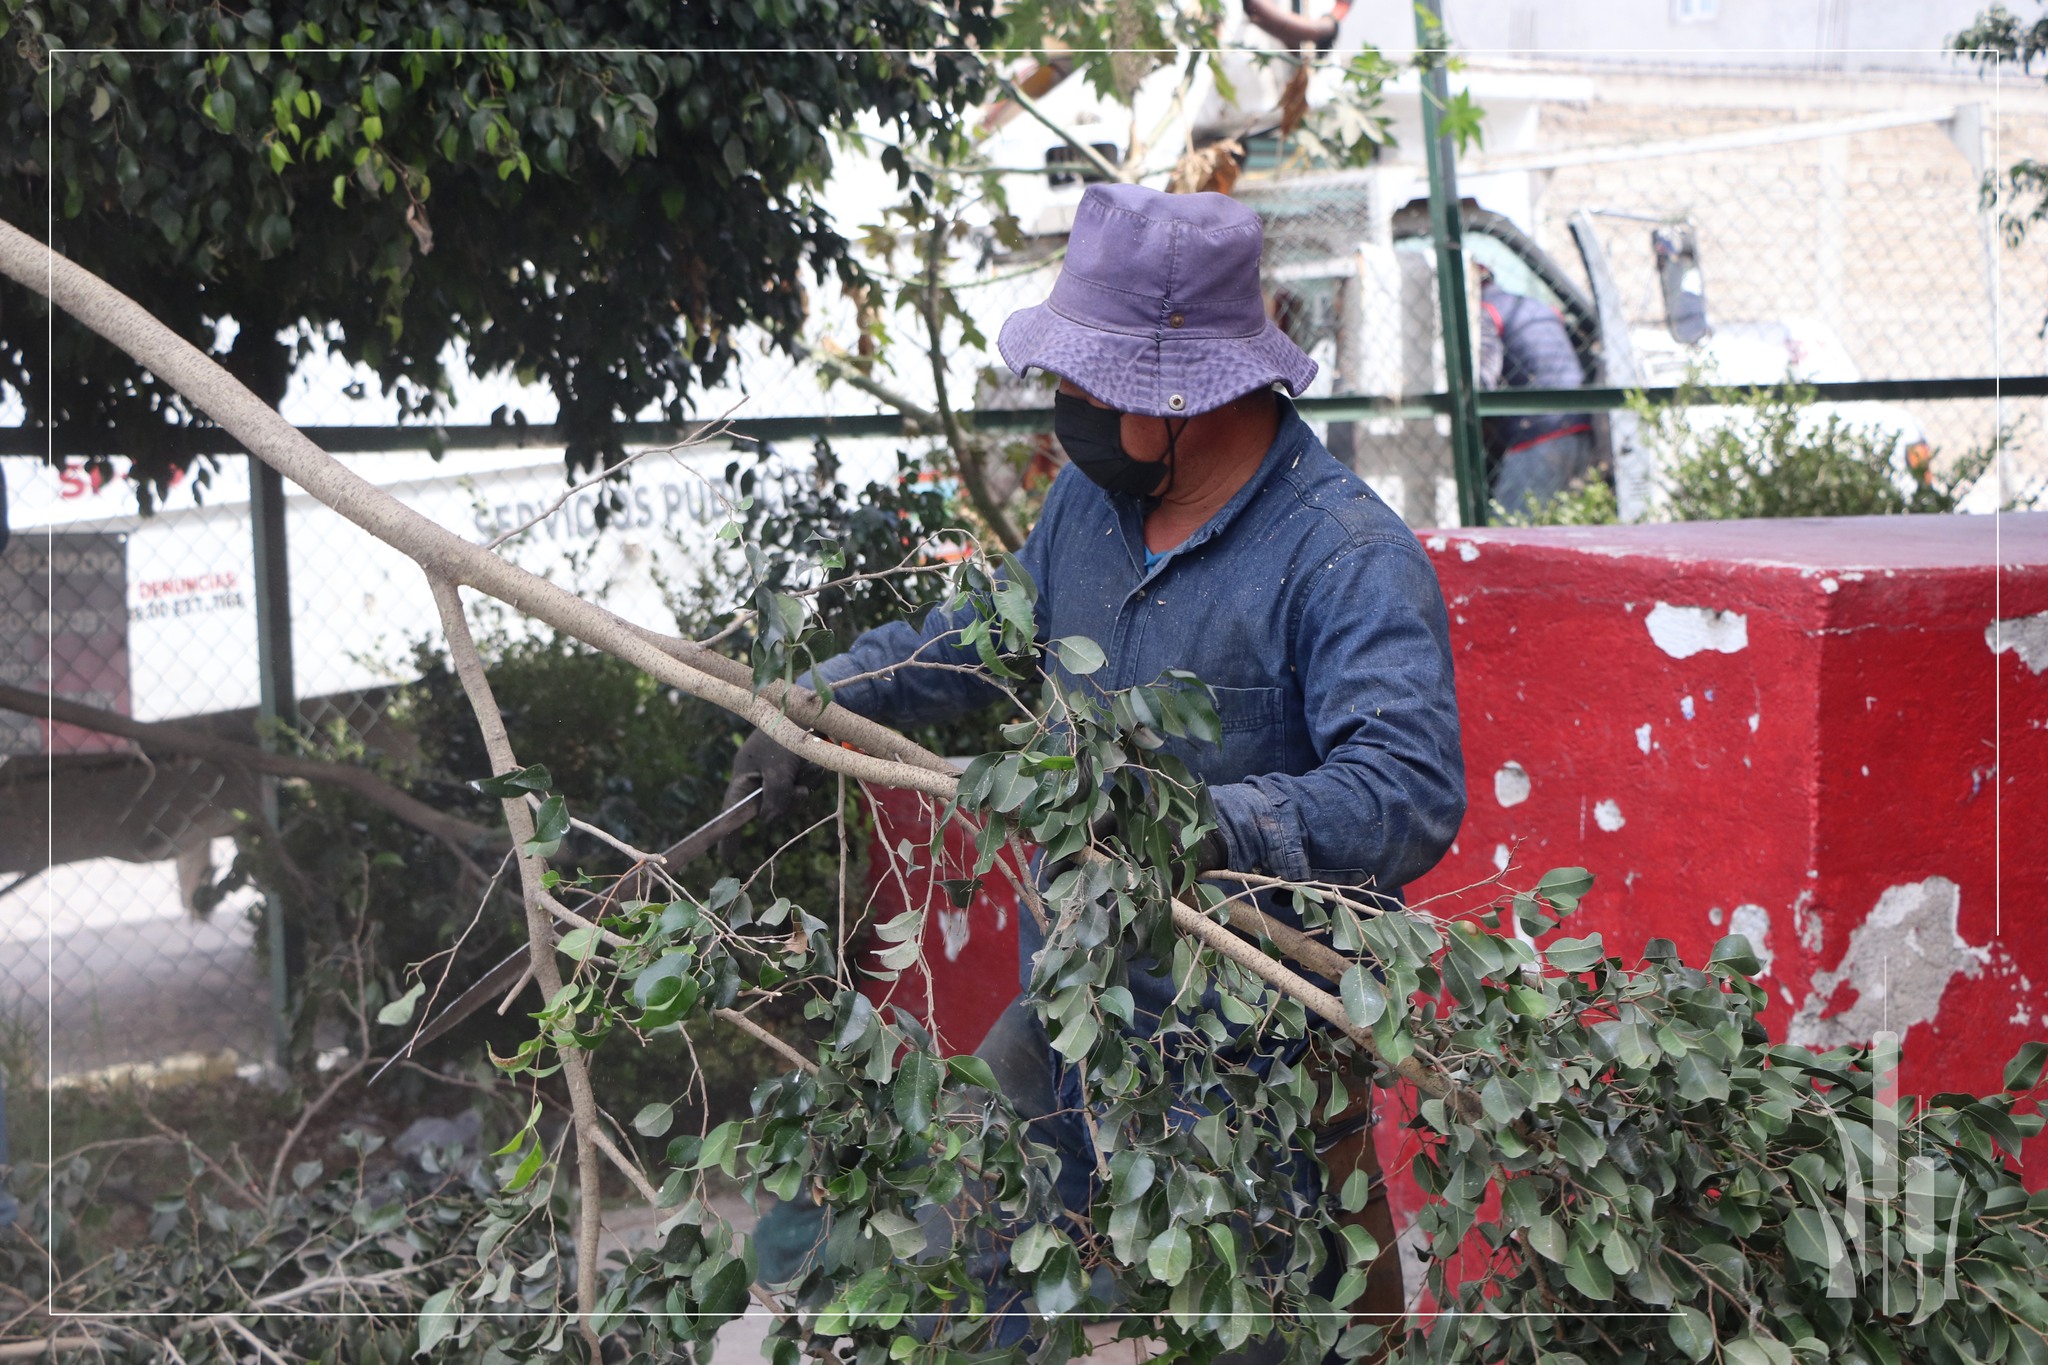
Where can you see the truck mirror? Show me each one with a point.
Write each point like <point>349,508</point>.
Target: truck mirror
<point>1685,291</point>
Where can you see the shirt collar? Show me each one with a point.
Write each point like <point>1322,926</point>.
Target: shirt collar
<point>1290,438</point>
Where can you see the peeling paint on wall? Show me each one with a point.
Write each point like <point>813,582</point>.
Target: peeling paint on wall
<point>1898,964</point>
<point>2026,636</point>
<point>1643,737</point>
<point>954,930</point>
<point>1753,922</point>
<point>1608,816</point>
<point>1683,632</point>
<point>1511,784</point>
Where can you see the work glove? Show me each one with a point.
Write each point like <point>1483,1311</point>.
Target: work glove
<point>777,773</point>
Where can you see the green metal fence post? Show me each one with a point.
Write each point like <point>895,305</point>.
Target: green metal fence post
<point>1446,221</point>
<point>277,701</point>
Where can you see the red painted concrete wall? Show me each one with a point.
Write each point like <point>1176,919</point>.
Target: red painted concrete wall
<point>1816,733</point>
<point>1831,736</point>
<point>971,953</point>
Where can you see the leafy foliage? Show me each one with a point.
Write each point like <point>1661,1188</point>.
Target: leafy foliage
<point>591,196</point>
<point>1772,456</point>
<point>351,1263</point>
<point>2000,36</point>
<point>1589,502</point>
<point>1650,1150</point>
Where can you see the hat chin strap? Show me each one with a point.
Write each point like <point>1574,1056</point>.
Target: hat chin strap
<point>1172,463</point>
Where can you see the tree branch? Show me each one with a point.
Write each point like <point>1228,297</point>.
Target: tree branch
<point>966,454</point>
<point>1030,106</point>
<point>442,553</point>
<point>748,1026</point>
<point>852,377</point>
<point>453,830</point>
<point>469,667</point>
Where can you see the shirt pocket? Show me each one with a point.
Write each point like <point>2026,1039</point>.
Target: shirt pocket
<point>1254,725</point>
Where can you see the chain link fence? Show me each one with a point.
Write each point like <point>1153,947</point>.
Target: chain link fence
<point>1864,254</point>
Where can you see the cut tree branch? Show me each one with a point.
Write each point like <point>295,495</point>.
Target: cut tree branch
<point>177,739</point>
<point>441,552</point>
<point>540,938</point>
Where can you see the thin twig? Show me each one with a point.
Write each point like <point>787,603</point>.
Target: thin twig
<point>469,667</point>
<point>576,921</point>
<point>748,1026</point>
<point>517,987</point>
<point>710,431</point>
<point>235,1325</point>
<point>848,374</point>
<point>254,1200</point>
<point>967,455</point>
<point>629,1168</point>
<point>298,1129</point>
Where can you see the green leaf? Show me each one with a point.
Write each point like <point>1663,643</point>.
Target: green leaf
<point>1077,1037</point>
<point>400,1010</point>
<point>1699,1079</point>
<point>1365,1000</point>
<point>904,1235</point>
<point>2023,1072</point>
<point>1170,1255</point>
<point>1692,1332</point>
<point>529,1166</point>
<point>1810,1237</point>
<point>578,944</point>
<point>1575,954</point>
<point>654,1120</point>
<point>1361,1247</point>
<point>1032,1246</point>
<point>971,1070</point>
<point>1588,1274</point>
<point>1565,887</point>
<point>1546,1238</point>
<point>916,1092</point>
<point>1751,1350</point>
<point>1078,654</point>
<point>1357,1189</point>
<point>1130,1175</point>
<point>517,782</point>
<point>439,1317</point>
<point>1733,954</point>
<point>550,824</point>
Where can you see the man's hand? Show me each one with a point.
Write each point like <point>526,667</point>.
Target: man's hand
<point>776,772</point>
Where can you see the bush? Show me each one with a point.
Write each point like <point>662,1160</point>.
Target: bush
<point>1773,456</point>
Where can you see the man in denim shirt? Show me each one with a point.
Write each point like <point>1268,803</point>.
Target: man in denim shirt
<point>1202,526</point>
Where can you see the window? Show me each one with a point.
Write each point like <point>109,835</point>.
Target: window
<point>1694,11</point>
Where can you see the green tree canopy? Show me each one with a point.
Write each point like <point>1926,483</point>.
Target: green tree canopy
<point>1999,35</point>
<point>593,195</point>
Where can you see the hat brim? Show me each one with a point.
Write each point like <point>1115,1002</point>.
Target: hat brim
<point>1153,375</point>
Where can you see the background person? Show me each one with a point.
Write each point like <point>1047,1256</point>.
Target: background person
<point>1523,343</point>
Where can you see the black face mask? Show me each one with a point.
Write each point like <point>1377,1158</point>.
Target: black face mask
<point>1093,440</point>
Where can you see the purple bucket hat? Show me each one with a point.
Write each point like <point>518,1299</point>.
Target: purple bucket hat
<point>1157,310</point>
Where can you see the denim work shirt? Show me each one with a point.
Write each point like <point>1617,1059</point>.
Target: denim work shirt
<point>1312,613</point>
